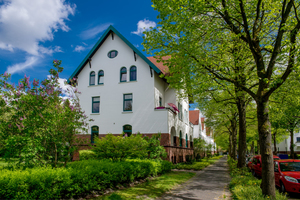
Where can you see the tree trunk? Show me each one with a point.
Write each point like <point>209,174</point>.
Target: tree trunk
<point>258,147</point>
<point>241,104</point>
<point>264,130</point>
<point>292,153</point>
<point>230,145</point>
<point>234,139</point>
<point>274,142</point>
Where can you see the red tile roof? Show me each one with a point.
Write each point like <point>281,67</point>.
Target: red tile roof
<point>194,116</point>
<point>163,68</point>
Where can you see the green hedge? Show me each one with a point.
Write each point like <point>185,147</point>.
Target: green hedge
<point>87,155</point>
<point>77,179</point>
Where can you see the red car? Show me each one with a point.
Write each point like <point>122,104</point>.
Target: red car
<point>255,165</point>
<point>287,175</point>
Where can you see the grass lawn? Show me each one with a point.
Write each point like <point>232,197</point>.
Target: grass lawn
<point>198,165</point>
<point>150,189</point>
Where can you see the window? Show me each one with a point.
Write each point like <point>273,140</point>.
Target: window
<point>186,140</point>
<point>127,102</point>
<point>123,74</point>
<point>100,77</point>
<point>297,139</point>
<point>133,73</point>
<point>180,111</point>
<point>92,78</point>
<point>160,102</point>
<point>112,54</point>
<point>94,133</point>
<point>95,104</point>
<point>127,129</point>
<point>180,139</point>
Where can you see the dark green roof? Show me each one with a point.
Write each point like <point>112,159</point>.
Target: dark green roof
<point>100,42</point>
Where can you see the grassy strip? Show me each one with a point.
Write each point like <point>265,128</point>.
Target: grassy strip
<point>151,189</point>
<point>244,186</point>
<point>197,165</point>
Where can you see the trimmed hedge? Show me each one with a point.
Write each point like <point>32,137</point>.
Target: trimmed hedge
<point>87,154</point>
<point>77,179</point>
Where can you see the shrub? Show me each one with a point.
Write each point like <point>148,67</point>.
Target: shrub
<point>119,148</point>
<point>87,154</point>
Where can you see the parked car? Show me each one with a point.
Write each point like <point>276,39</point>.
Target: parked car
<point>287,175</point>
<point>255,165</point>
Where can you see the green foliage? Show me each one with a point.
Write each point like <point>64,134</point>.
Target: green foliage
<point>155,150</point>
<point>38,126</point>
<point>118,148</point>
<point>78,178</point>
<point>87,155</point>
<point>244,186</point>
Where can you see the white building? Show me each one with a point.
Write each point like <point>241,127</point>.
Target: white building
<point>122,91</point>
<point>284,146</point>
<point>200,130</point>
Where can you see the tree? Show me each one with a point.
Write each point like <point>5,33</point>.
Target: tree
<point>200,33</point>
<point>285,110</point>
<point>40,126</point>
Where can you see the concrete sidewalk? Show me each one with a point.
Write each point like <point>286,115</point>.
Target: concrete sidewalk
<point>208,184</point>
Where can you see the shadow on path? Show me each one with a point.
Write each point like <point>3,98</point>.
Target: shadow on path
<point>209,184</point>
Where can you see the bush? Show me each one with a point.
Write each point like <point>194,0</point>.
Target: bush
<point>78,178</point>
<point>118,148</point>
<point>194,166</point>
<point>87,155</point>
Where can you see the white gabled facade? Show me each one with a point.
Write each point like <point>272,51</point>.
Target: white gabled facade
<point>146,93</point>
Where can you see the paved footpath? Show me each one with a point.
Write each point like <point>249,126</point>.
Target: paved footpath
<point>208,184</point>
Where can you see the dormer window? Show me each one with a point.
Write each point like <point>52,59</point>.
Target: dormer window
<point>92,78</point>
<point>100,77</point>
<point>133,73</point>
<point>112,54</point>
<point>123,74</point>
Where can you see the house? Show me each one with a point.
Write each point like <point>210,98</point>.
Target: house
<point>200,130</point>
<point>122,91</point>
<point>284,146</point>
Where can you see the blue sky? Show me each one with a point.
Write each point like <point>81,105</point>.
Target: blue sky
<point>35,32</point>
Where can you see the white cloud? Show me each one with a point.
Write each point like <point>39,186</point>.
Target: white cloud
<point>79,48</point>
<point>26,23</point>
<point>29,63</point>
<point>93,32</point>
<point>50,50</point>
<point>144,25</point>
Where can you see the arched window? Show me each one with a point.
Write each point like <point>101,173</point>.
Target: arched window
<point>100,77</point>
<point>186,140</point>
<point>92,78</point>
<point>133,73</point>
<point>180,139</point>
<point>94,133</point>
<point>127,129</point>
<point>123,74</point>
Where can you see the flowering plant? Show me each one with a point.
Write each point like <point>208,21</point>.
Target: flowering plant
<point>39,122</point>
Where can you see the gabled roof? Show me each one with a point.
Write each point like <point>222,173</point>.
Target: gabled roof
<point>194,116</point>
<point>109,30</point>
<point>160,65</point>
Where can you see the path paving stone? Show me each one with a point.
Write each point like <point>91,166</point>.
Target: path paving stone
<point>210,183</point>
